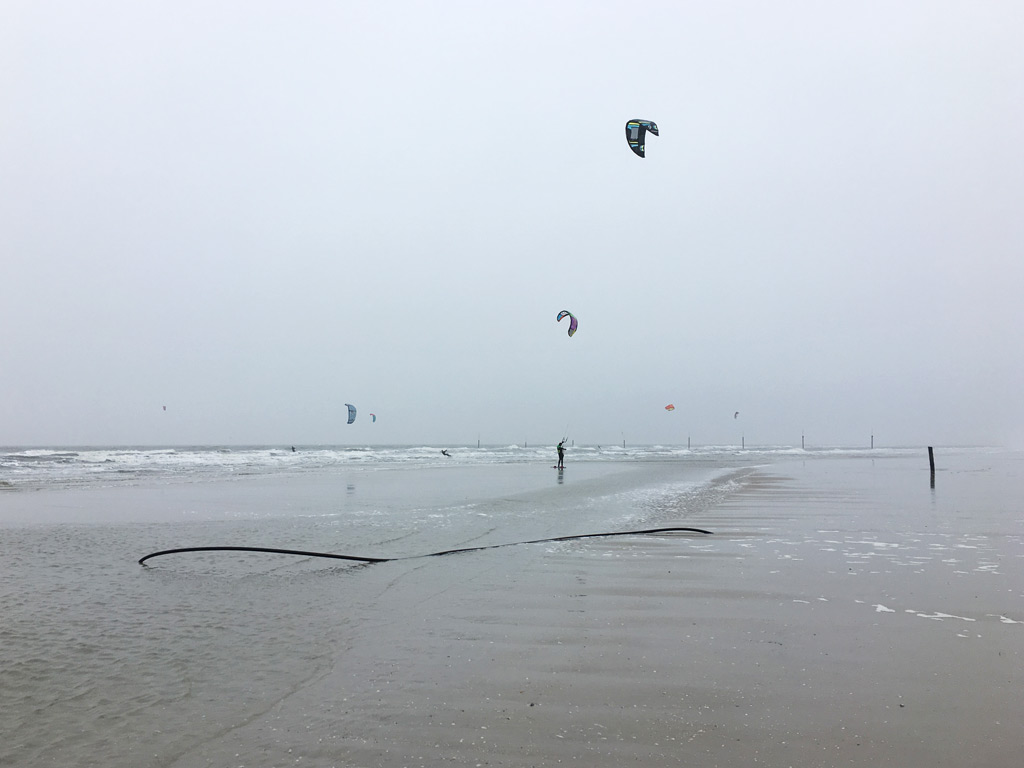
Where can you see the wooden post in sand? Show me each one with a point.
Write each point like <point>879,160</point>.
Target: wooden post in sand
<point>931,464</point>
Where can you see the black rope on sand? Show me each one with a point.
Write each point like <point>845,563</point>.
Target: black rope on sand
<point>413,557</point>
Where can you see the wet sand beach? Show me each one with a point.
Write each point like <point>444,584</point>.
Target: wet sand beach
<point>843,613</point>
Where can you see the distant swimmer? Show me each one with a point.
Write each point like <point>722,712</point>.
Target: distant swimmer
<point>561,453</point>
<point>445,453</point>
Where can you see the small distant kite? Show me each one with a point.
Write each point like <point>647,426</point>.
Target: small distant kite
<point>636,133</point>
<point>736,415</point>
<point>572,320</point>
<point>165,407</point>
<point>670,407</point>
<point>374,417</point>
<point>351,412</point>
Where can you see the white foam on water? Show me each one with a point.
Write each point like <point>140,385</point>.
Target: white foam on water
<point>937,616</point>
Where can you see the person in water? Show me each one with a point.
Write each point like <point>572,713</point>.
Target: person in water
<point>445,453</point>
<point>561,453</point>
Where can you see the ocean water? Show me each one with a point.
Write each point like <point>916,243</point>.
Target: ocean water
<point>106,662</point>
<point>45,468</point>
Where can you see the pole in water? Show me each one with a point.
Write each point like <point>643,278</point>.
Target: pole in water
<point>872,441</point>
<point>801,442</point>
<point>743,442</point>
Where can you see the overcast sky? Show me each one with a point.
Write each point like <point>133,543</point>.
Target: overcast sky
<point>254,212</point>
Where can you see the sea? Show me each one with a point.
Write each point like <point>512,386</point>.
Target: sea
<point>48,468</point>
<point>107,662</point>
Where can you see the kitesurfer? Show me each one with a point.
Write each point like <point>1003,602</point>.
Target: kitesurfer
<point>561,453</point>
<point>444,452</point>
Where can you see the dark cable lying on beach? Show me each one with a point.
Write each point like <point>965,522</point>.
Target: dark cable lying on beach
<point>413,557</point>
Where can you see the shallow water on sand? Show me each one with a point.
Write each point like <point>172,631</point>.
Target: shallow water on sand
<point>827,582</point>
<point>104,662</point>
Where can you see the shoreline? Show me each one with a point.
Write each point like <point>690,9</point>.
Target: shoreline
<point>763,644</point>
<point>842,613</point>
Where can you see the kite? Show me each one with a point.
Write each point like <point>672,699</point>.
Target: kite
<point>374,417</point>
<point>670,407</point>
<point>351,412</point>
<point>736,415</point>
<point>572,320</point>
<point>636,132</point>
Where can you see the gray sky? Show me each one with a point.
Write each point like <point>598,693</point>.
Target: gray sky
<point>254,212</point>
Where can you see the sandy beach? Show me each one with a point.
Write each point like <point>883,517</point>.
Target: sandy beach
<point>844,613</point>
<point>815,628</point>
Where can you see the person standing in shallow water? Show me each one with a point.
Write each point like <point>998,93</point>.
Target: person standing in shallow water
<point>561,454</point>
